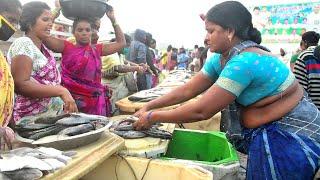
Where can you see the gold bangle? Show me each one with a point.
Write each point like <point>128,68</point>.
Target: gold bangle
<point>56,11</point>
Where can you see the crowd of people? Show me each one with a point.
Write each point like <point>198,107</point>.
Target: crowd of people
<point>277,109</point>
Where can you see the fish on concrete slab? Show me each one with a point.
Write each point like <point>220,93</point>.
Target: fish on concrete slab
<point>130,134</point>
<point>124,128</point>
<point>24,174</point>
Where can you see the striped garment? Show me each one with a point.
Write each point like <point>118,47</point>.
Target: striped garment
<point>307,71</point>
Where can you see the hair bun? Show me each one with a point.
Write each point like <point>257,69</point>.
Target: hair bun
<point>255,35</point>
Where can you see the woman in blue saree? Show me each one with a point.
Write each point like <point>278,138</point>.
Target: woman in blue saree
<point>280,125</point>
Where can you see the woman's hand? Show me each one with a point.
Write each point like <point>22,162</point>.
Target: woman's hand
<point>141,111</point>
<point>110,14</point>
<point>140,70</point>
<point>144,122</point>
<point>6,137</point>
<point>69,103</point>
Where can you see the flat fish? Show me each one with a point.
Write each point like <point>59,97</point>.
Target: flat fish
<point>141,99</point>
<point>42,153</point>
<point>76,120</point>
<point>124,125</point>
<point>30,127</point>
<point>24,174</point>
<point>50,131</point>
<point>51,119</point>
<point>130,134</point>
<point>79,129</point>
<point>158,133</point>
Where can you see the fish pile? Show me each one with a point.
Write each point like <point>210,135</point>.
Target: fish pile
<point>125,129</point>
<point>150,94</point>
<point>65,124</point>
<point>28,163</point>
<point>177,78</point>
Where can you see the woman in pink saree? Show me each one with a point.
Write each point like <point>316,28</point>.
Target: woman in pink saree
<point>36,77</point>
<point>81,65</point>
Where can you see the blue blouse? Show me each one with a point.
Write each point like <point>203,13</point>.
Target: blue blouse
<point>249,76</point>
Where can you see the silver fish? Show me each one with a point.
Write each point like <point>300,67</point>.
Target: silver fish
<point>52,131</point>
<point>79,129</point>
<point>76,120</point>
<point>124,128</point>
<point>24,174</point>
<point>51,119</point>
<point>130,134</point>
<point>158,133</point>
<point>30,127</point>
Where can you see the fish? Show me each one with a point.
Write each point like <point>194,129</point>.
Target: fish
<point>125,129</point>
<point>30,127</point>
<point>141,99</point>
<point>61,156</point>
<point>51,119</point>
<point>77,120</point>
<point>158,133</point>
<point>79,129</point>
<point>49,131</point>
<point>124,125</point>
<point>130,134</point>
<point>27,134</point>
<point>24,174</point>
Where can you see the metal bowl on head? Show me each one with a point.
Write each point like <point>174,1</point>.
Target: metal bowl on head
<point>73,9</point>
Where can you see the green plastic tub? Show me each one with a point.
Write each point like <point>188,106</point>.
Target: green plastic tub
<point>205,147</point>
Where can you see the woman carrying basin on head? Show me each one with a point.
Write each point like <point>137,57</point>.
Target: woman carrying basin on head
<point>81,65</point>
<point>280,125</point>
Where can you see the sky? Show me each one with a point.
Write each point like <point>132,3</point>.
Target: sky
<point>175,22</point>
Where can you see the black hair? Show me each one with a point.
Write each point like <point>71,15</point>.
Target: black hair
<point>234,15</point>
<point>128,38</point>
<point>153,41</point>
<point>256,8</point>
<point>316,52</point>
<point>203,56</point>
<point>76,22</point>
<point>10,6</point>
<point>169,48</point>
<point>182,50</point>
<point>311,38</point>
<point>30,13</point>
<point>148,39</point>
<point>196,46</point>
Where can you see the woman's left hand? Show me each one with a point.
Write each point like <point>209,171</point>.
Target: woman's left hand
<point>110,14</point>
<point>143,122</point>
